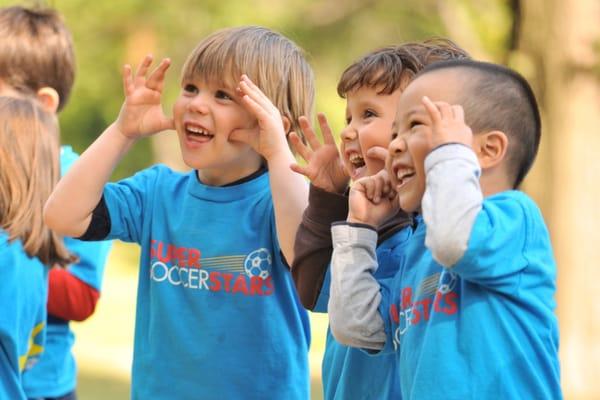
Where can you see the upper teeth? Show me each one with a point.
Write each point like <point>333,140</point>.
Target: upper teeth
<point>355,158</point>
<point>195,129</point>
<point>403,172</point>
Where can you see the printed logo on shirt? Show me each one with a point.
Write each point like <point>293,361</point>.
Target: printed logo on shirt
<point>435,294</point>
<point>34,349</point>
<point>245,274</point>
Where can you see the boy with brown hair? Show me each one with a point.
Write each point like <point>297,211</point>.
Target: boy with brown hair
<point>217,314</point>
<point>38,60</point>
<point>470,312</point>
<point>372,86</point>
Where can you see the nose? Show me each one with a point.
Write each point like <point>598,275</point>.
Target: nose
<point>397,146</point>
<point>199,103</point>
<point>349,134</point>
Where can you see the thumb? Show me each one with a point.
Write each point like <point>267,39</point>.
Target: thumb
<point>377,152</point>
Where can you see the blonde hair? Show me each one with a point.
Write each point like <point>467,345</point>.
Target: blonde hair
<point>28,172</point>
<point>272,61</point>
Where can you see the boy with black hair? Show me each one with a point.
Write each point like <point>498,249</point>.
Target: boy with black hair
<point>470,312</point>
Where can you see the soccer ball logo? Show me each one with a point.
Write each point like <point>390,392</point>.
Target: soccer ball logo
<point>258,263</point>
<point>447,282</point>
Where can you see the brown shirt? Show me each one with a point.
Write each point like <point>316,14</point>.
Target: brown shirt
<point>313,246</point>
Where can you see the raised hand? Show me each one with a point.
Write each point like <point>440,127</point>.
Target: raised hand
<point>324,167</point>
<point>372,200</point>
<point>142,114</point>
<point>447,124</point>
<point>269,138</point>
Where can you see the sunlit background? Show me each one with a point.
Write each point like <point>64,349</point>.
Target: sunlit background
<point>554,43</point>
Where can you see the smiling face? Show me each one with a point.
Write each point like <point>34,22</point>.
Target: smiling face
<point>369,118</point>
<point>205,115</point>
<point>410,135</point>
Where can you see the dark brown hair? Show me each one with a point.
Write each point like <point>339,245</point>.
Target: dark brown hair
<point>390,68</point>
<point>37,51</point>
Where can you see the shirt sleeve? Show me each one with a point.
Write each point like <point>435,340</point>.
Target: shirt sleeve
<point>355,296</point>
<point>451,201</point>
<point>313,246</point>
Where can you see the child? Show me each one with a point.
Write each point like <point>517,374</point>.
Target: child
<point>372,86</point>
<point>469,313</point>
<point>40,61</point>
<point>217,314</point>
<point>28,172</point>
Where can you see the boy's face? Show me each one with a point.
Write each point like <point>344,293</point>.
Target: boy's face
<point>410,135</point>
<point>205,115</point>
<point>369,118</point>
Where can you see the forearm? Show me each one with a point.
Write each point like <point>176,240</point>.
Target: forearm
<point>451,202</point>
<point>355,297</point>
<point>290,198</point>
<point>313,246</point>
<point>68,210</point>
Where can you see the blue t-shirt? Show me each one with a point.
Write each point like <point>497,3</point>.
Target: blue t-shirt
<point>484,328</point>
<point>55,374</point>
<point>349,373</point>
<point>23,290</point>
<point>217,312</point>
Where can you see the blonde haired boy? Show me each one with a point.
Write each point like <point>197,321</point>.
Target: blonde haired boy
<point>217,314</point>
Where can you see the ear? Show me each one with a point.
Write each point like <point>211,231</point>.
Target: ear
<point>287,124</point>
<point>490,147</point>
<point>49,98</point>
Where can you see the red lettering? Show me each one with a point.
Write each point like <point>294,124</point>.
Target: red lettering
<point>256,285</point>
<point>406,298</point>
<point>240,284</point>
<point>152,251</point>
<point>193,258</point>
<point>216,283</point>
<point>180,256</point>
<point>394,313</point>
<point>436,302</point>
<point>227,277</point>
<point>159,253</point>
<point>452,306</point>
<point>426,302</point>
<point>269,284</point>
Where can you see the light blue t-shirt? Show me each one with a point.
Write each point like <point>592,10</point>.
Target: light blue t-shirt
<point>485,328</point>
<point>217,313</point>
<point>23,290</point>
<point>349,373</point>
<point>55,374</point>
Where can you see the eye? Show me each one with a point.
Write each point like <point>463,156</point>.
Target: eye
<point>348,120</point>
<point>190,89</point>
<point>414,124</point>
<point>369,114</point>
<point>394,135</point>
<point>221,94</point>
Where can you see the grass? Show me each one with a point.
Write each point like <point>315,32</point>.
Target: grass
<point>104,343</point>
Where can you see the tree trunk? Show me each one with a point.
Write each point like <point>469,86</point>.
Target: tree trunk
<point>557,48</point>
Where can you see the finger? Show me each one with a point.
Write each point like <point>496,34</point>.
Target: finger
<point>127,80</point>
<point>445,110</point>
<point>309,133</point>
<point>299,170</point>
<point>325,129</point>
<point>249,88</point>
<point>459,112</point>
<point>157,77</point>
<point>259,112</point>
<point>299,147</point>
<point>431,109</point>
<point>369,189</point>
<point>377,152</point>
<point>378,183</point>
<point>143,68</point>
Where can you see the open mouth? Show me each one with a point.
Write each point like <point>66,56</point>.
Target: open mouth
<point>403,175</point>
<point>358,165</point>
<point>197,134</point>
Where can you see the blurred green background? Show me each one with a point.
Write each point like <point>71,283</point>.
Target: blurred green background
<point>554,43</point>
